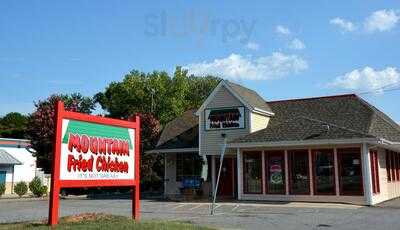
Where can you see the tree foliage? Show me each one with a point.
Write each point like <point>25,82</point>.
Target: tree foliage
<point>41,123</point>
<point>157,93</point>
<point>149,137</point>
<point>155,97</point>
<point>13,125</point>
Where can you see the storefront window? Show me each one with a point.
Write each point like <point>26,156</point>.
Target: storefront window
<point>252,172</point>
<point>324,172</point>
<point>275,172</point>
<point>350,175</point>
<point>188,165</point>
<point>299,172</point>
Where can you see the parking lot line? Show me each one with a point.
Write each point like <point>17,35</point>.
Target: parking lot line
<point>195,207</point>
<point>179,206</point>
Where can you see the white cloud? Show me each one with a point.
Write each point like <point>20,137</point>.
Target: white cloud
<point>343,24</point>
<point>368,79</point>
<point>252,46</point>
<point>282,30</point>
<point>236,66</point>
<point>381,20</point>
<point>297,44</point>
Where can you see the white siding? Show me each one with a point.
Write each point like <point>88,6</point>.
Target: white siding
<point>211,141</point>
<point>26,171</point>
<point>388,190</point>
<point>258,122</point>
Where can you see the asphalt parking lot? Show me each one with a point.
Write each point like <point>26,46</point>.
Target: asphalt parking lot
<point>228,215</point>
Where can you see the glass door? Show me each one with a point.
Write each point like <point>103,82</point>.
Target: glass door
<point>350,174</point>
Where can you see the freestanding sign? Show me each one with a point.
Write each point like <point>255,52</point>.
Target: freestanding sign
<point>92,151</point>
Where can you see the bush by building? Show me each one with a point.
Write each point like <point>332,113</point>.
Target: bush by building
<point>2,189</point>
<point>21,188</point>
<point>37,188</point>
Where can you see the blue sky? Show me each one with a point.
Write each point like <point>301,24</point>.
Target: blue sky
<point>282,49</point>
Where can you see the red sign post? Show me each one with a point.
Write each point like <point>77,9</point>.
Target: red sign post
<point>92,151</point>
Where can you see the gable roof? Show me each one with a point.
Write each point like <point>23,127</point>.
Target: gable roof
<point>349,113</point>
<point>179,125</point>
<point>7,159</point>
<point>248,97</point>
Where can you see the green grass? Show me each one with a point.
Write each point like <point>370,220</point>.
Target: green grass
<point>108,222</point>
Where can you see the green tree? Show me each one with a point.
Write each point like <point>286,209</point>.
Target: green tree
<point>13,125</point>
<point>41,123</point>
<point>156,97</point>
<point>157,93</point>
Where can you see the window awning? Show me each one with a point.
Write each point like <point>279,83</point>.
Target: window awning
<point>7,159</point>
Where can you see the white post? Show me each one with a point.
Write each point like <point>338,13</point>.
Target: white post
<point>366,169</point>
<point>239,173</point>
<point>221,161</point>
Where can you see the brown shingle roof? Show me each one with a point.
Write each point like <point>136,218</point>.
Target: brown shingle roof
<point>347,112</point>
<point>178,126</point>
<point>348,116</point>
<point>250,96</point>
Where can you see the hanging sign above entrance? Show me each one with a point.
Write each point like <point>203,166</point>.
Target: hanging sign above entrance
<point>224,118</point>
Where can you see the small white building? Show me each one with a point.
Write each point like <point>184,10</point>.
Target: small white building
<point>17,162</point>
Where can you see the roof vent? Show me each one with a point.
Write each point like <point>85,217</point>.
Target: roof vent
<point>326,127</point>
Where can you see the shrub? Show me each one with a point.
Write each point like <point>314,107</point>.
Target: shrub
<point>37,188</point>
<point>44,190</point>
<point>2,189</point>
<point>21,188</point>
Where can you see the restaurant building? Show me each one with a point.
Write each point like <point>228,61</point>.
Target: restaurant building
<point>323,149</point>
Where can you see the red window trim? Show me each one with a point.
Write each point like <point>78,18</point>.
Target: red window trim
<point>397,166</point>
<point>393,166</point>
<point>374,171</point>
<point>340,152</point>
<point>388,166</point>
<point>244,170</point>
<point>267,155</point>
<point>290,152</point>
<point>314,153</point>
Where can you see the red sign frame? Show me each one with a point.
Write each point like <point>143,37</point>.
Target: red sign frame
<point>57,184</point>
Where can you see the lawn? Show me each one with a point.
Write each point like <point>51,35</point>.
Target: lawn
<point>102,221</point>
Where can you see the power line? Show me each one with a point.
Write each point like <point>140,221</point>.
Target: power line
<point>383,89</point>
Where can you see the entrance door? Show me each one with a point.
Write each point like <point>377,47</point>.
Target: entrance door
<point>2,177</point>
<point>350,172</point>
<point>226,187</point>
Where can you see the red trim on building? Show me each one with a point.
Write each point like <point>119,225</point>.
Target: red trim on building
<point>375,171</point>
